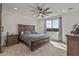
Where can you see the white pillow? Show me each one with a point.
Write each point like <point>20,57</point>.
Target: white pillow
<point>22,33</point>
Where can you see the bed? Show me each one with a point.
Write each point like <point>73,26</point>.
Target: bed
<point>31,38</point>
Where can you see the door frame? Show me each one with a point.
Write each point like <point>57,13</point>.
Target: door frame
<point>0,27</point>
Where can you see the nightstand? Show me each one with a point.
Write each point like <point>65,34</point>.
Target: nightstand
<point>11,40</point>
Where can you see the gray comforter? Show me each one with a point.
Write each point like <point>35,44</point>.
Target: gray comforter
<point>32,37</point>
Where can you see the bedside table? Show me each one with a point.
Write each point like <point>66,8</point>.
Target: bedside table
<point>11,40</point>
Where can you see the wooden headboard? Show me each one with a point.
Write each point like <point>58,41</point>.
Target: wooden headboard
<point>23,28</point>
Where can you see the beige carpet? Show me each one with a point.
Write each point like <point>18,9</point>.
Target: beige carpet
<point>22,50</point>
<point>59,45</point>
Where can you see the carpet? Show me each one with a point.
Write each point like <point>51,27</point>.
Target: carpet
<point>22,50</point>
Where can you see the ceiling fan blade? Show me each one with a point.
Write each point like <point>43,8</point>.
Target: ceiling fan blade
<point>48,12</point>
<point>47,15</point>
<point>38,7</point>
<point>46,9</point>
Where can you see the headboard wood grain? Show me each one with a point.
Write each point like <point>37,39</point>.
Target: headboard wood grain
<point>23,28</point>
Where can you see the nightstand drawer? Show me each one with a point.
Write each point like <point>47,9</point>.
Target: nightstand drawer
<point>11,40</point>
<point>12,37</point>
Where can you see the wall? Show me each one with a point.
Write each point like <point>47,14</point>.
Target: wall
<point>53,35</point>
<point>10,21</point>
<point>68,20</point>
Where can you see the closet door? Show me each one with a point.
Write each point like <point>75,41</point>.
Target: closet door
<point>0,26</point>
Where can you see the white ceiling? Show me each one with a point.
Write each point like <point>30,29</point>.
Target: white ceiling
<point>56,8</point>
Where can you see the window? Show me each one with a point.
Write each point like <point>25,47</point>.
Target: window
<point>49,24</point>
<point>55,23</point>
<point>52,25</point>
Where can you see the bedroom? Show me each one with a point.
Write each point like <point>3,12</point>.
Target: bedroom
<point>14,14</point>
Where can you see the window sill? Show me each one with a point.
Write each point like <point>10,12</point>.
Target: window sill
<point>53,29</point>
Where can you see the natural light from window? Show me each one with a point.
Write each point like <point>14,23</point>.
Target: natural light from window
<point>53,23</point>
<point>56,23</point>
<point>49,24</point>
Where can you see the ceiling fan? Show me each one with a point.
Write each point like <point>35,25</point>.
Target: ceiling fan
<point>40,11</point>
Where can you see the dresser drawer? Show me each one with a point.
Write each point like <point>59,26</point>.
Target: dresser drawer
<point>72,45</point>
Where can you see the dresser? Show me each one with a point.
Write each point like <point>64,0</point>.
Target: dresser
<point>72,45</point>
<point>11,40</point>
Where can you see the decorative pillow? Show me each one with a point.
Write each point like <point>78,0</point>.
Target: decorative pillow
<point>27,32</point>
<point>33,32</point>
